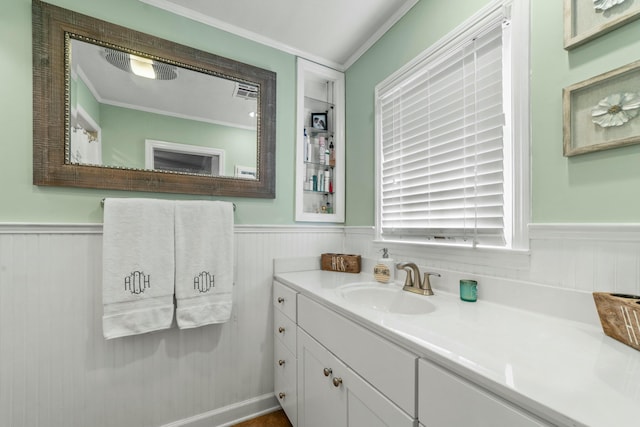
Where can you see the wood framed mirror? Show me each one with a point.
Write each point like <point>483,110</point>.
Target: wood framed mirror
<point>84,134</point>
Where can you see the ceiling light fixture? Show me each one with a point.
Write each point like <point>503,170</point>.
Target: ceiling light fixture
<point>139,65</point>
<point>142,67</point>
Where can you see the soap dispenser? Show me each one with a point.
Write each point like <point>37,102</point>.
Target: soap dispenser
<point>385,270</point>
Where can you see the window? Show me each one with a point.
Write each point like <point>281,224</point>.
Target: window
<point>176,157</point>
<point>446,150</point>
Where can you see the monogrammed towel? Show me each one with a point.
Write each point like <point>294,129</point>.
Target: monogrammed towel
<point>204,262</point>
<point>138,266</point>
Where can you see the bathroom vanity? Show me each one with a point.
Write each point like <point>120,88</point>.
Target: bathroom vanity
<point>352,352</point>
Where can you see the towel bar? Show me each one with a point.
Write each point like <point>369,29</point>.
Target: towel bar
<point>102,205</point>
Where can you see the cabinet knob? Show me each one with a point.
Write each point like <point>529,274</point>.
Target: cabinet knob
<point>281,362</point>
<point>281,329</point>
<point>280,300</point>
<point>327,371</point>
<point>337,381</point>
<point>282,395</point>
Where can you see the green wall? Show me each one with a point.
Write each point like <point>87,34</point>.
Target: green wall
<point>124,132</point>
<point>21,201</point>
<point>598,187</point>
<point>82,96</point>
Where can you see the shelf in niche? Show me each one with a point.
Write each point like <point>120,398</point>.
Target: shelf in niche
<point>321,103</point>
<point>311,131</point>
<point>320,164</point>
<point>318,192</point>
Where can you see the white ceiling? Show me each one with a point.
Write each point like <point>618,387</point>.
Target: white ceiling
<point>331,32</point>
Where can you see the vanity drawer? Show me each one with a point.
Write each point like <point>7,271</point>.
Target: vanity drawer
<point>284,299</point>
<point>284,330</point>
<point>285,381</point>
<point>388,367</point>
<point>443,395</point>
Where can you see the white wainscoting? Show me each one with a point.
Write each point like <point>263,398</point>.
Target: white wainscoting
<point>56,370</point>
<point>582,257</point>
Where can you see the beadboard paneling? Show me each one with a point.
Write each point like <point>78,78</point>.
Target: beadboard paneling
<point>585,257</point>
<point>56,370</point>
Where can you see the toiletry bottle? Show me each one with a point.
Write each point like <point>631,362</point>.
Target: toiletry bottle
<point>385,270</point>
<point>327,179</point>
<point>321,151</point>
<point>332,153</point>
<point>306,146</point>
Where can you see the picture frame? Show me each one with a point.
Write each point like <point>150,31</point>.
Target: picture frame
<point>319,121</point>
<point>583,22</point>
<point>602,112</point>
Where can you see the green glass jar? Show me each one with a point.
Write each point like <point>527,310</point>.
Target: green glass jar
<point>468,290</point>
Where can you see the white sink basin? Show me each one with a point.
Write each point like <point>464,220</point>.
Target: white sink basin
<point>386,298</point>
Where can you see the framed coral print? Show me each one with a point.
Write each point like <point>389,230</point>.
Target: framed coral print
<point>584,20</point>
<point>602,112</point>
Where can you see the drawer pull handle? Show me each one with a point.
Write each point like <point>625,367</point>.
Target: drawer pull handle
<point>327,372</point>
<point>281,362</point>
<point>281,329</point>
<point>282,395</point>
<point>337,381</point>
<point>280,300</point>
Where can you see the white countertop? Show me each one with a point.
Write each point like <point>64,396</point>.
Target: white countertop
<point>567,372</point>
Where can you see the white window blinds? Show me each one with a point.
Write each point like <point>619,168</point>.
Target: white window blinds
<point>442,142</point>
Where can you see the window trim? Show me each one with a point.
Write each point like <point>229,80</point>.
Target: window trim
<point>152,145</point>
<point>518,187</point>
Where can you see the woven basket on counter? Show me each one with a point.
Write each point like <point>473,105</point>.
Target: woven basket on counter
<point>620,316</point>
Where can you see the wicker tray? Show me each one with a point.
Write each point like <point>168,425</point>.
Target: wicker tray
<point>620,316</point>
<point>340,262</point>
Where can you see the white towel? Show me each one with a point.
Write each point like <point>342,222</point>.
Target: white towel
<point>138,266</point>
<point>204,262</point>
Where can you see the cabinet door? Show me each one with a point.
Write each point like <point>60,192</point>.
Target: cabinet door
<point>331,394</point>
<point>320,403</point>
<point>387,367</point>
<point>447,400</point>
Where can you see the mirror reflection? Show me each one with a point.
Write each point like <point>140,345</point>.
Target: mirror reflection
<point>130,111</point>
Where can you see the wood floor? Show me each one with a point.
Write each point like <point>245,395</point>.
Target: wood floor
<point>274,419</point>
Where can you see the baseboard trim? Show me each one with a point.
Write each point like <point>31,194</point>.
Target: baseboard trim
<point>231,414</point>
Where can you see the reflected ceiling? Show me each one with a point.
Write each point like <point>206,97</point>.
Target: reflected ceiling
<point>192,95</point>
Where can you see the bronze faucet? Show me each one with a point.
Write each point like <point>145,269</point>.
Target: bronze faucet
<point>413,283</point>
